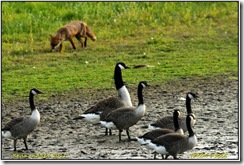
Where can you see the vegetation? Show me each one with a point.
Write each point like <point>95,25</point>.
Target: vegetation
<point>175,39</point>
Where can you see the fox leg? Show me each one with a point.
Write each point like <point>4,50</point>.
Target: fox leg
<point>60,47</point>
<point>85,41</point>
<point>72,42</point>
<point>78,37</point>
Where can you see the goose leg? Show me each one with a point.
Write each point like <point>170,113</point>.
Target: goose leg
<point>166,156</point>
<point>155,155</point>
<point>127,132</point>
<point>175,156</point>
<point>15,141</point>
<point>162,156</point>
<point>106,131</point>
<point>25,143</point>
<point>110,132</point>
<point>120,131</point>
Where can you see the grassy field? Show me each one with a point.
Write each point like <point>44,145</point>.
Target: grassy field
<point>176,39</point>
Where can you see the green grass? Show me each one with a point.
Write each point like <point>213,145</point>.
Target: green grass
<point>178,39</point>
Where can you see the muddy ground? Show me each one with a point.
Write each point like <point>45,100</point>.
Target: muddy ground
<point>60,137</point>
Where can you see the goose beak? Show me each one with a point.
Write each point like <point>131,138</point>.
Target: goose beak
<point>127,67</point>
<point>196,97</point>
<point>40,92</point>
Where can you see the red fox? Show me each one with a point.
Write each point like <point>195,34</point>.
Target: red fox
<point>75,29</point>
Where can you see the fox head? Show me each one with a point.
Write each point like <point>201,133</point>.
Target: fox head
<point>89,32</point>
<point>55,42</point>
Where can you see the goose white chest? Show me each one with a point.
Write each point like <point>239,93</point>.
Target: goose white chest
<point>141,110</point>
<point>125,96</point>
<point>35,116</point>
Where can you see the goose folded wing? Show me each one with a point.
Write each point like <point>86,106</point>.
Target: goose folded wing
<point>173,142</point>
<point>169,139</point>
<point>122,112</point>
<point>159,132</point>
<point>13,122</point>
<point>165,122</point>
<point>107,104</point>
<point>22,129</point>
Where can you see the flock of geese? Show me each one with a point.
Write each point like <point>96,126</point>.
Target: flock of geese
<point>166,136</point>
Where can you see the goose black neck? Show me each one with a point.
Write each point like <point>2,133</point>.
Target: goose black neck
<point>188,125</point>
<point>31,100</point>
<point>118,78</point>
<point>139,94</point>
<point>176,122</point>
<point>188,105</point>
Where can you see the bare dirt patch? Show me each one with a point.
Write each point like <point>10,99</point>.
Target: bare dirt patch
<point>58,136</point>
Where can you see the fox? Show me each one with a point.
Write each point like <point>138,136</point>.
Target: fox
<point>77,29</point>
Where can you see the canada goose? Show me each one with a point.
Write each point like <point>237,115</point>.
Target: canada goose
<point>149,136</point>
<point>102,108</point>
<point>125,117</point>
<point>20,127</point>
<point>173,143</point>
<point>167,121</point>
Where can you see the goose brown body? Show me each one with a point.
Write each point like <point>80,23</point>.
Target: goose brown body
<point>151,135</point>
<point>167,121</point>
<point>173,143</point>
<point>125,117</point>
<point>21,127</point>
<point>103,107</point>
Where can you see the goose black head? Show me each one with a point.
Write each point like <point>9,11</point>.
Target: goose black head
<point>35,91</point>
<point>144,84</point>
<point>177,112</point>
<point>122,65</point>
<point>191,95</point>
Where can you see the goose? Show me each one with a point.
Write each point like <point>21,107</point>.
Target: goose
<point>173,143</point>
<point>103,107</point>
<point>125,117</point>
<point>20,128</point>
<point>167,121</point>
<point>151,135</point>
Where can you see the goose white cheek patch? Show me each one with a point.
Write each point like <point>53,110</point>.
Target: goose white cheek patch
<point>121,66</point>
<point>190,96</point>
<point>33,92</point>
